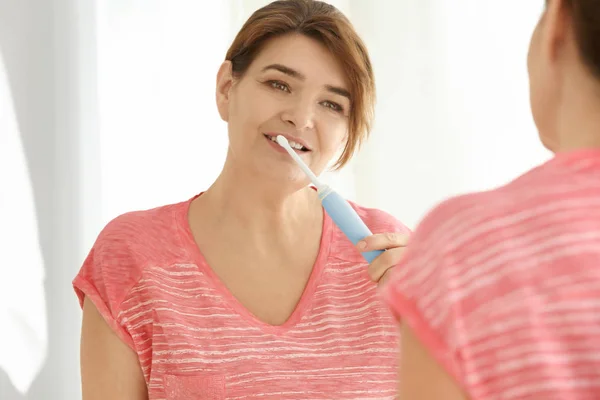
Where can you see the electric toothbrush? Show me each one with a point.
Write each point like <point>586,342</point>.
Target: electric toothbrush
<point>340,211</point>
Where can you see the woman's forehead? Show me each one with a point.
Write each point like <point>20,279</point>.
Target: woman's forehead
<point>304,57</point>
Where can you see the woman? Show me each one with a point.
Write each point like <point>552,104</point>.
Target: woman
<point>248,290</point>
<point>499,293</point>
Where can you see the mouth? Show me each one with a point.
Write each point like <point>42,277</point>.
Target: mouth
<point>294,145</point>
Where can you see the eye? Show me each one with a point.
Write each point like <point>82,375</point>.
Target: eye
<point>334,106</point>
<point>279,86</point>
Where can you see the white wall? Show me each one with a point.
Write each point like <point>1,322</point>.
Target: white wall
<point>453,112</point>
<point>162,138</point>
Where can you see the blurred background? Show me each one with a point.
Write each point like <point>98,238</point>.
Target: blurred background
<point>110,99</point>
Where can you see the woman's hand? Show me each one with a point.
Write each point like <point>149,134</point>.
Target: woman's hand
<point>394,243</point>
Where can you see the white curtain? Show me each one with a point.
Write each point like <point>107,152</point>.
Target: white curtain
<point>23,332</point>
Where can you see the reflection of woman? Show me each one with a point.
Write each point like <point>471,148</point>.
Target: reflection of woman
<point>499,293</point>
<point>249,290</point>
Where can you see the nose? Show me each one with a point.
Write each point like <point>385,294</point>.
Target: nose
<point>300,115</point>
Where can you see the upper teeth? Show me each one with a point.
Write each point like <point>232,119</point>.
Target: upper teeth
<point>293,144</point>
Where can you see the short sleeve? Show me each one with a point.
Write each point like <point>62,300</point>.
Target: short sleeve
<point>420,294</point>
<point>380,221</point>
<point>401,228</point>
<point>107,275</point>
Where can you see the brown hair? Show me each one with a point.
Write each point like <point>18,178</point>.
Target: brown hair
<point>325,23</point>
<point>586,23</point>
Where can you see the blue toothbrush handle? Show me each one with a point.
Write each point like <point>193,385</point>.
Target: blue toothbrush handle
<point>344,216</point>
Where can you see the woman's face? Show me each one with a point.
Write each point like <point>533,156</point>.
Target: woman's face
<point>295,88</point>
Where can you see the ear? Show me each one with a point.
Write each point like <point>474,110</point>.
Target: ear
<point>224,84</point>
<point>555,29</point>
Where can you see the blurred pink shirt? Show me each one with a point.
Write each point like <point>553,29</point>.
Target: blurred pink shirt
<point>503,287</point>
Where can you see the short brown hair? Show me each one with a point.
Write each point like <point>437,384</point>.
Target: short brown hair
<point>326,24</point>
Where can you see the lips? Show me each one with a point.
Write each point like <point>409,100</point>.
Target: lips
<point>295,143</point>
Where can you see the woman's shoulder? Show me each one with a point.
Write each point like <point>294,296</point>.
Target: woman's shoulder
<point>126,246</point>
<point>142,225</point>
<point>143,234</point>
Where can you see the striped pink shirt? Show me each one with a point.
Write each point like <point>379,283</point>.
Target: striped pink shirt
<point>503,287</point>
<point>194,340</point>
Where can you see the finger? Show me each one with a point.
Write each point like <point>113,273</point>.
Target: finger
<point>386,277</point>
<point>384,262</point>
<point>383,241</point>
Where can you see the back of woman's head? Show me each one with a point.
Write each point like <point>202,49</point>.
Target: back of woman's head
<point>586,24</point>
<point>326,24</point>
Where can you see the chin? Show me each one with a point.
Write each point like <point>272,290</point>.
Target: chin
<point>546,129</point>
<point>286,174</point>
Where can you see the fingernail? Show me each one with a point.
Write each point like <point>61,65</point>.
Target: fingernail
<point>362,245</point>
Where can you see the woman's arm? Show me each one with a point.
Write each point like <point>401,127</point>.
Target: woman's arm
<point>109,368</point>
<point>421,377</point>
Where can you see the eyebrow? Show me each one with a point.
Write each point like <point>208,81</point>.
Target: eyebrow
<point>298,75</point>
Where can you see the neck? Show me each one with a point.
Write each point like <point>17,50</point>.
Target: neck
<point>579,124</point>
<point>264,213</point>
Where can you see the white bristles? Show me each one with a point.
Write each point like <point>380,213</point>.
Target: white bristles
<point>283,142</point>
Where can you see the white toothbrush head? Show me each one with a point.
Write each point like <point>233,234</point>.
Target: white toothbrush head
<point>283,142</point>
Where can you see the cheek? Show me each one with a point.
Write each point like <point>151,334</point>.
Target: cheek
<point>248,111</point>
<point>332,141</point>
<point>536,95</point>
<point>331,145</point>
<point>538,98</point>
<point>543,88</point>
<point>544,98</point>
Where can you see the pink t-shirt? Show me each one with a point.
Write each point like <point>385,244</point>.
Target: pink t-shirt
<point>503,287</point>
<point>194,340</point>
